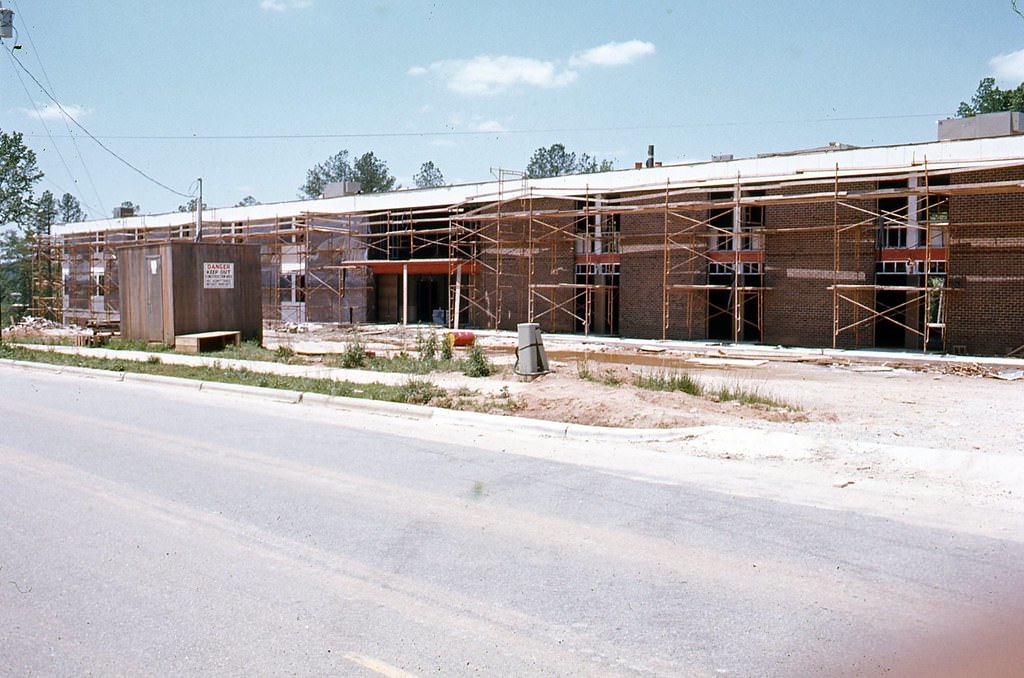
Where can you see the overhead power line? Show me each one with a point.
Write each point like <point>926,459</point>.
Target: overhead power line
<point>67,126</point>
<point>17,62</point>
<point>442,133</point>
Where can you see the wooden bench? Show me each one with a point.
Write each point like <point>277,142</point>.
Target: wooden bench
<point>204,342</point>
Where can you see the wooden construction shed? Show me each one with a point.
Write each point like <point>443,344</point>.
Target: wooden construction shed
<point>175,288</point>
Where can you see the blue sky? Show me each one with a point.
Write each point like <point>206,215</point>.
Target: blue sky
<point>473,86</point>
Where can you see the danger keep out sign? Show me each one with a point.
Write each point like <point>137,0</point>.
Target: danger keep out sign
<point>218,276</point>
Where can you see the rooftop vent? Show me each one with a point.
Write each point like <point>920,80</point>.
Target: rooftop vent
<point>724,157</point>
<point>337,189</point>
<point>1000,124</point>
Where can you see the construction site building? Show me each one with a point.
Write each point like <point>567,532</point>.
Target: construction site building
<point>916,246</point>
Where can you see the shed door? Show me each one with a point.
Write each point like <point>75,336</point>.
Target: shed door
<point>153,296</point>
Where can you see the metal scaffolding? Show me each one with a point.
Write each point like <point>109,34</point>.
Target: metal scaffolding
<point>555,256</point>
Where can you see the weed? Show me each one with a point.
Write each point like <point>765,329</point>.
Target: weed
<point>666,380</point>
<point>583,369</point>
<point>153,360</point>
<point>402,362</point>
<point>609,378</point>
<point>446,348</point>
<point>284,353</point>
<point>478,488</point>
<point>427,346</point>
<point>476,363</point>
<point>354,355</point>
<point>606,377</point>
<point>419,392</point>
<point>749,394</point>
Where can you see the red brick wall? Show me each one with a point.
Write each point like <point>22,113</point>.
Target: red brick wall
<point>986,263</point>
<point>800,267</point>
<point>642,277</point>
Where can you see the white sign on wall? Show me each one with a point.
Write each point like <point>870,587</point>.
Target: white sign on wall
<point>218,276</point>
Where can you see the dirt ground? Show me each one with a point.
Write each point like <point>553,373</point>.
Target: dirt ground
<point>880,397</point>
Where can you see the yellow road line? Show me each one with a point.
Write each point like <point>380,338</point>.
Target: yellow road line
<point>377,666</point>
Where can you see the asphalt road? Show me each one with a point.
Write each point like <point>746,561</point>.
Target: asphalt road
<point>155,531</point>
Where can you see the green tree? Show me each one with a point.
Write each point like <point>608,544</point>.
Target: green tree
<point>429,176</point>
<point>372,174</point>
<point>247,201</point>
<point>45,214</point>
<point>557,161</point>
<point>370,171</point>
<point>989,99</point>
<point>190,206</point>
<point>18,218</point>
<point>18,176</point>
<point>70,210</point>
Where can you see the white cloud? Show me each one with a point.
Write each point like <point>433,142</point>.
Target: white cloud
<point>488,75</point>
<point>1008,67</point>
<point>53,112</point>
<point>612,54</point>
<point>489,126</point>
<point>284,5</point>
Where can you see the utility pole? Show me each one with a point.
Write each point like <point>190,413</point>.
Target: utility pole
<point>199,212</point>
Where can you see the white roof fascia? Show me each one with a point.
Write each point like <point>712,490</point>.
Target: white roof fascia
<point>936,155</point>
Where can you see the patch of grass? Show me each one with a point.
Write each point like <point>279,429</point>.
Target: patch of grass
<point>402,363</point>
<point>253,350</point>
<point>406,393</point>
<point>420,392</point>
<point>41,340</point>
<point>407,364</point>
<point>669,380</point>
<point>606,377</point>
<point>121,344</point>
<point>749,394</point>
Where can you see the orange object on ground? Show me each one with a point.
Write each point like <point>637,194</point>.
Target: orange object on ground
<point>461,338</point>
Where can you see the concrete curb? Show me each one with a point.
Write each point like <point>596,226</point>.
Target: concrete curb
<point>277,394</point>
<point>42,367</point>
<point>189,384</point>
<point>553,429</point>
